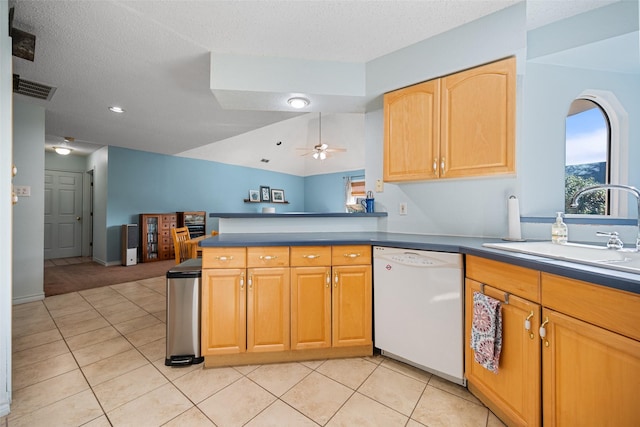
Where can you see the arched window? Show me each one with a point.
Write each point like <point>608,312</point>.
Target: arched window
<point>588,156</point>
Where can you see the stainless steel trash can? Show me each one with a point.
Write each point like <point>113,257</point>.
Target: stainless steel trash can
<point>183,313</point>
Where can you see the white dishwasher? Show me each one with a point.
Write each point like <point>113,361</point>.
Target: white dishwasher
<point>418,309</point>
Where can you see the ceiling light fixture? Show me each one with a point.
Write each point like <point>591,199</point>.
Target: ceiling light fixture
<point>115,109</point>
<point>64,149</point>
<point>298,102</point>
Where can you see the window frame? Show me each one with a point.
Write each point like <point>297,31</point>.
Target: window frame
<point>618,119</point>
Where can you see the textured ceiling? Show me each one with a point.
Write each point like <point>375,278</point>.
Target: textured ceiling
<point>152,57</point>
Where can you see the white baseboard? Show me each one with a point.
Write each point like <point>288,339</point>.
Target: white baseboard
<point>30,298</point>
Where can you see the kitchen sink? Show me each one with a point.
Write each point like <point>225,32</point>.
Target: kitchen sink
<point>599,256</point>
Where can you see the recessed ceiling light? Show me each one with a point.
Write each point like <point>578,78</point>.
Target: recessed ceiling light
<point>116,109</point>
<point>298,102</point>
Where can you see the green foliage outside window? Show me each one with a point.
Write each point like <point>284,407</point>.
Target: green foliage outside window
<point>593,203</point>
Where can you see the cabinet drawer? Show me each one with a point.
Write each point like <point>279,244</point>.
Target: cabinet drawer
<point>224,258</point>
<point>612,309</point>
<point>268,256</point>
<point>519,281</point>
<point>309,256</point>
<point>351,255</point>
<point>169,219</point>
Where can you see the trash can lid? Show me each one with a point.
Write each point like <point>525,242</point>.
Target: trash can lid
<point>191,267</point>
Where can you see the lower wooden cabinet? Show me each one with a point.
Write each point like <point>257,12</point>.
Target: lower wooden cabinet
<point>578,365</point>
<point>291,307</point>
<point>268,309</point>
<point>591,375</point>
<point>351,306</point>
<point>310,307</point>
<point>513,394</point>
<point>590,354</point>
<point>224,317</point>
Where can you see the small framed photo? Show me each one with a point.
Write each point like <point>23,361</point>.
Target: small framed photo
<point>254,196</point>
<point>277,196</point>
<point>265,194</point>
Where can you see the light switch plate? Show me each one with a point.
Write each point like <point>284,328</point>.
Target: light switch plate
<point>379,186</point>
<point>402,208</point>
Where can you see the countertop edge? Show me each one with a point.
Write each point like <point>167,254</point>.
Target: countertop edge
<point>465,245</point>
<point>299,215</point>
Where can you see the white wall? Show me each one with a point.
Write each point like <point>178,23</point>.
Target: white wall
<point>6,210</point>
<point>97,162</point>
<point>28,214</point>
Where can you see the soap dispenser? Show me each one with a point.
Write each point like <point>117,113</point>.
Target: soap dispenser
<point>559,232</point>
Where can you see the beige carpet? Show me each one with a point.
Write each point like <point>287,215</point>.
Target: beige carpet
<point>62,279</point>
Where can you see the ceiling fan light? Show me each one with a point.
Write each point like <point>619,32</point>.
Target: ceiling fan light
<point>115,109</point>
<point>298,102</point>
<point>63,151</point>
<point>323,155</point>
<point>316,155</point>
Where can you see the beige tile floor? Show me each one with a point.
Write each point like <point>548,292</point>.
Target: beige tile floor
<point>96,358</point>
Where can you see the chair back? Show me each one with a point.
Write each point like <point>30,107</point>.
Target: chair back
<point>180,246</point>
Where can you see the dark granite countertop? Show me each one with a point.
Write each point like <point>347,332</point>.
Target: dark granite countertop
<point>464,245</point>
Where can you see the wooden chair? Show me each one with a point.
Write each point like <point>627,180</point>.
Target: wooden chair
<point>180,245</point>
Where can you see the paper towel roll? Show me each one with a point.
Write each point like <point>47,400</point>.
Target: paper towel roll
<point>514,219</point>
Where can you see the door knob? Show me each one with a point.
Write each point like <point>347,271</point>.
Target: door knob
<point>78,218</point>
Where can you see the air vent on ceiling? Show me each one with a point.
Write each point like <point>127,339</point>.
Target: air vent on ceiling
<point>32,89</point>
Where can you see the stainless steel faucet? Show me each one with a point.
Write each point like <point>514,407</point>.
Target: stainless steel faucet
<point>627,188</point>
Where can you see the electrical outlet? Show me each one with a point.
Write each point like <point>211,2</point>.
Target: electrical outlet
<point>403,208</point>
<point>379,186</point>
<point>22,190</point>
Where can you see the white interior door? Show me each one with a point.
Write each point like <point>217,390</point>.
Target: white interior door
<point>62,214</point>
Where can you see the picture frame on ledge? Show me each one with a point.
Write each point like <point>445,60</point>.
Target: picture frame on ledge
<point>277,196</point>
<point>265,193</point>
<point>254,196</point>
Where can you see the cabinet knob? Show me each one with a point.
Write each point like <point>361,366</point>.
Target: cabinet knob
<point>224,258</point>
<point>311,256</point>
<point>351,255</point>
<point>442,164</point>
<point>268,257</point>
<point>435,166</point>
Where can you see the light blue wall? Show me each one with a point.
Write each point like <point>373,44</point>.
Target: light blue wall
<point>549,92</point>
<point>147,182</point>
<point>324,192</point>
<point>28,214</point>
<point>468,207</point>
<point>550,89</point>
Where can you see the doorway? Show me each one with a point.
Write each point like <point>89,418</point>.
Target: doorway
<point>62,214</point>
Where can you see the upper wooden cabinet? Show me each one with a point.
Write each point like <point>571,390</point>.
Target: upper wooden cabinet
<point>456,126</point>
<point>412,132</point>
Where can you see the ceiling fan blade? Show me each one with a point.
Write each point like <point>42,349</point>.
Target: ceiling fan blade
<point>334,150</point>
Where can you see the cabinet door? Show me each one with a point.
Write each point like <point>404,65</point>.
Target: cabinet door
<point>591,376</point>
<point>478,121</point>
<point>268,318</point>
<point>412,132</point>
<point>310,307</point>
<point>514,392</point>
<point>223,311</point>
<point>351,304</point>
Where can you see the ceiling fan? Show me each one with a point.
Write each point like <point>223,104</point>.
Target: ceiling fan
<point>321,150</point>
